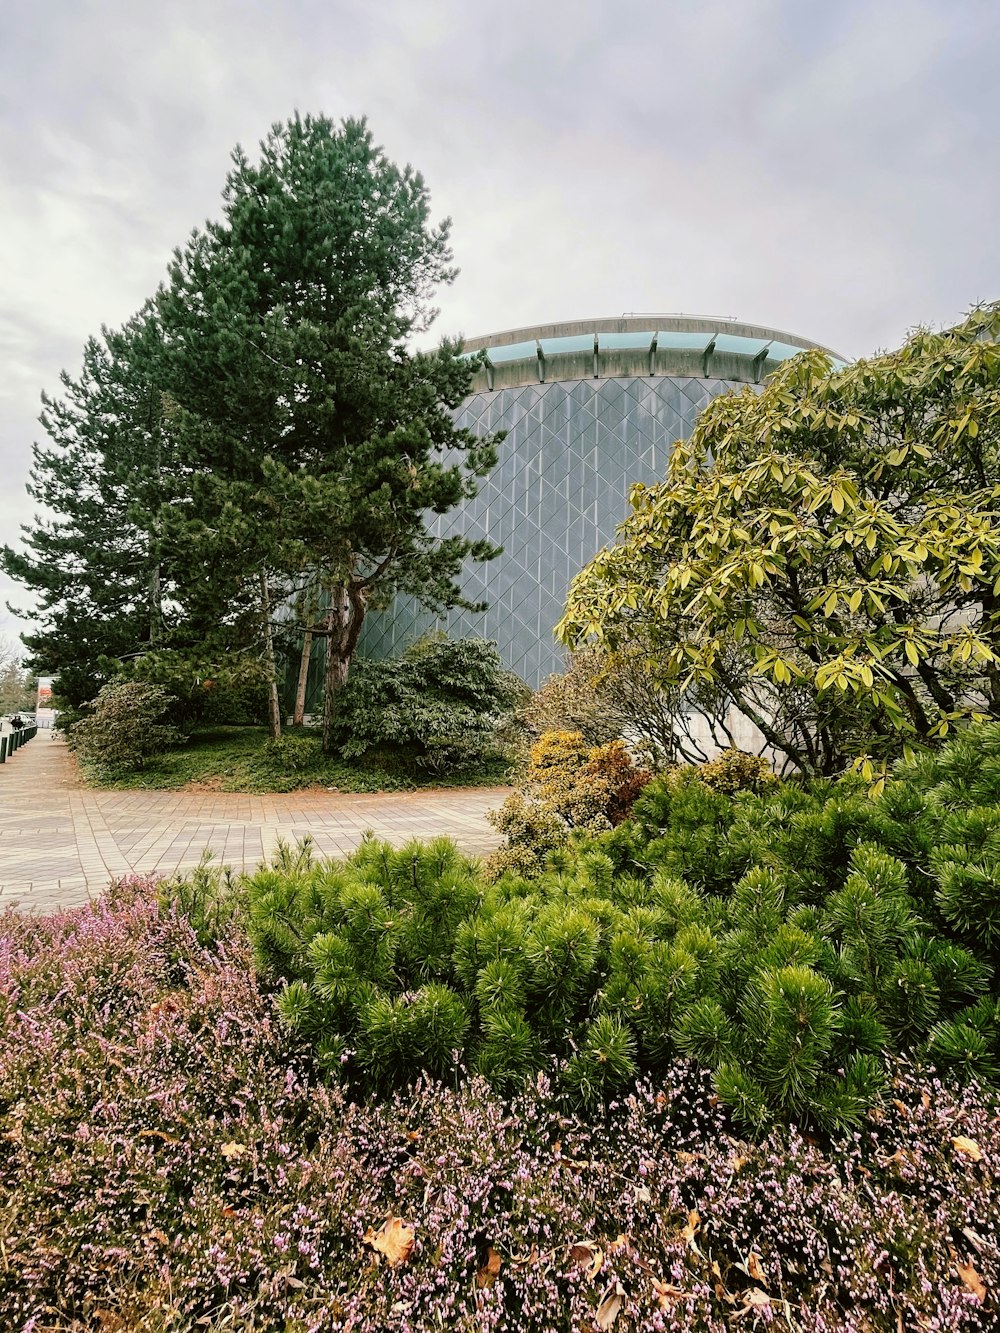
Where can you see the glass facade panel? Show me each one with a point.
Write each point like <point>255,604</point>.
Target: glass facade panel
<point>684,339</point>
<point>576,342</point>
<point>731,342</point>
<point>782,351</point>
<point>613,342</point>
<point>513,352</point>
<point>557,494</point>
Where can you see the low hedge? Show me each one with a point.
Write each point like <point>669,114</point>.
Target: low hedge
<point>789,939</point>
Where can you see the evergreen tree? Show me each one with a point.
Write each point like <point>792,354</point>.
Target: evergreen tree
<point>256,453</point>
<point>94,564</point>
<point>18,689</point>
<point>313,443</point>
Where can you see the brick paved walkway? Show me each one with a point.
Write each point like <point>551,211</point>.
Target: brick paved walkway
<point>60,844</point>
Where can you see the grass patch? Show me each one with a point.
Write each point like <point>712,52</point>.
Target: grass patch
<point>240,759</point>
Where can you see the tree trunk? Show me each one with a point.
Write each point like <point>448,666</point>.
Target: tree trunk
<point>344,620</point>
<point>270,666</point>
<point>155,605</point>
<point>299,713</point>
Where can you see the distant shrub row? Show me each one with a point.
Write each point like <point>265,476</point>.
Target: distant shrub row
<point>444,706</point>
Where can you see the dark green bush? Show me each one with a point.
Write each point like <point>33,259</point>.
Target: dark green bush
<point>443,705</point>
<point>292,754</point>
<point>126,726</point>
<point>789,940</point>
<point>206,692</point>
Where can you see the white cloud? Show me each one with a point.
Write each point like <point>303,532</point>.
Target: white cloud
<point>831,170</point>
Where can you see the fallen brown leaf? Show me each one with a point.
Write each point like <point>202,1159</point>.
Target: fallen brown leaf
<point>692,1228</point>
<point>665,1293</point>
<point>618,1244</point>
<point>967,1148</point>
<point>722,1294</point>
<point>755,1267</point>
<point>588,1255</point>
<point>394,1239</point>
<point>490,1270</point>
<point>755,1299</point>
<point>898,1158</point>
<point>229,1150</point>
<point>607,1311</point>
<point>971,1279</point>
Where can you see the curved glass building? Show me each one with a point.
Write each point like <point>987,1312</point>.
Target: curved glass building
<point>589,408</point>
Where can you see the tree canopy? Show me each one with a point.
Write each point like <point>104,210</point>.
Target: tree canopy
<point>824,555</point>
<point>18,689</point>
<point>260,447</point>
<point>91,560</point>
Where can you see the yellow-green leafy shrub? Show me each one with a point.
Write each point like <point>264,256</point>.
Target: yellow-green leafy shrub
<point>569,788</point>
<point>735,770</point>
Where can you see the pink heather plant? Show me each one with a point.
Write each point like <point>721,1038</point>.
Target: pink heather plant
<point>167,1163</point>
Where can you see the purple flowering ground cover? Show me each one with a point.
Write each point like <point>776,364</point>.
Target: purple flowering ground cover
<point>168,1162</point>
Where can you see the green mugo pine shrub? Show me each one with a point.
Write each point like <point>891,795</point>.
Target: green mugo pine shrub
<point>788,940</point>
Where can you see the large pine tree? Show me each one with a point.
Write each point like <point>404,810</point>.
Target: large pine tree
<point>260,445</point>
<point>314,442</point>
<point>92,561</point>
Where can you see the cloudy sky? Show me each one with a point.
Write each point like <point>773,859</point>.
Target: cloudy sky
<point>828,169</point>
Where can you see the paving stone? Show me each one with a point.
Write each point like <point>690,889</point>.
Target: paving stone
<point>61,844</point>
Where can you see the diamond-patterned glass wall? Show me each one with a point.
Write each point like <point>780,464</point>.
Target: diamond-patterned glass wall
<point>560,488</point>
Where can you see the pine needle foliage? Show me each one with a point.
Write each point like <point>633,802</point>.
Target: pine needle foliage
<point>791,940</point>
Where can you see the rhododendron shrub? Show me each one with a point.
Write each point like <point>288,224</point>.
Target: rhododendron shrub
<point>168,1163</point>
